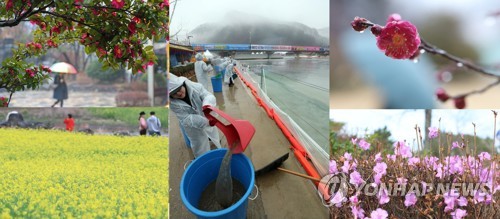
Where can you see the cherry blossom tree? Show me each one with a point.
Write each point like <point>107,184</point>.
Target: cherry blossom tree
<point>115,30</point>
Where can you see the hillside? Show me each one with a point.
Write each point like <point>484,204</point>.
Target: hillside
<point>241,28</point>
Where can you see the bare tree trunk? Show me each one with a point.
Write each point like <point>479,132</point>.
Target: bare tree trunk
<point>428,117</point>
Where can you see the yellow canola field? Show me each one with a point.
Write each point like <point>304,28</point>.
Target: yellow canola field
<point>55,174</point>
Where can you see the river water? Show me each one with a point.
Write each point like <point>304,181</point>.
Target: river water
<point>299,87</point>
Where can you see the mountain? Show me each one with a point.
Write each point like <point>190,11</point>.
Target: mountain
<point>324,32</point>
<point>241,28</point>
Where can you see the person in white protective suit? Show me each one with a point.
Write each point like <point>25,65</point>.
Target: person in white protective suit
<point>187,101</point>
<point>229,76</point>
<point>201,70</point>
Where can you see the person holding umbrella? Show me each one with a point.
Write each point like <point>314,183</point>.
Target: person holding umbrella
<point>61,91</point>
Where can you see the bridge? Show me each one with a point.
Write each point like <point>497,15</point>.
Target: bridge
<point>258,49</point>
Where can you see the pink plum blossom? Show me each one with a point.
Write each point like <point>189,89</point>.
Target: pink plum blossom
<point>399,39</point>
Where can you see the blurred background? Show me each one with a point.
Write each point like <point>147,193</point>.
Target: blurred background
<point>363,77</point>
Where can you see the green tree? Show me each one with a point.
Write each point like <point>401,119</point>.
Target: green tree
<point>95,71</point>
<point>116,30</point>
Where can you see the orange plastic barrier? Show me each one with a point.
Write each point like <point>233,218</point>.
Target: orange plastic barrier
<point>298,149</point>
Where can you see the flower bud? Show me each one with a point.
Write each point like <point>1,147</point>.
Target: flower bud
<point>442,95</point>
<point>459,102</point>
<point>376,29</point>
<point>359,24</point>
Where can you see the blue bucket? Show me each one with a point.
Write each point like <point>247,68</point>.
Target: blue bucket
<point>186,139</point>
<point>217,84</point>
<point>204,170</point>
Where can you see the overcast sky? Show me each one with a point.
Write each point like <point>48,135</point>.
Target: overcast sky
<point>402,123</point>
<point>189,14</point>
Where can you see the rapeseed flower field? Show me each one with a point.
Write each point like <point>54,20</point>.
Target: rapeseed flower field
<point>56,174</point>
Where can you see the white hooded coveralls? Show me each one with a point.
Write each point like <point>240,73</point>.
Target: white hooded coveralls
<point>191,117</point>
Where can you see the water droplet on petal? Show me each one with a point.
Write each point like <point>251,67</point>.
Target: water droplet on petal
<point>422,51</point>
<point>361,31</point>
<point>415,60</point>
<point>460,65</point>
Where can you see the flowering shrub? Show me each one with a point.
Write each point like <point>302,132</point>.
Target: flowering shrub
<point>4,101</point>
<point>114,30</point>
<point>399,39</point>
<point>54,174</point>
<point>406,184</point>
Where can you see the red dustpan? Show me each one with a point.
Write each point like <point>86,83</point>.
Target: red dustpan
<point>233,129</point>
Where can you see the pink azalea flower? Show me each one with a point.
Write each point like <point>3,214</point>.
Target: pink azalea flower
<point>399,39</point>
<point>354,199</point>
<point>410,199</point>
<point>459,213</point>
<point>462,201</point>
<point>364,145</point>
<point>391,157</point>
<point>345,168</point>
<point>400,148</point>
<point>379,214</point>
<point>450,198</point>
<point>383,197</point>
<point>354,141</point>
<point>433,132</point>
<point>333,167</point>
<point>338,199</point>
<point>377,177</point>
<point>347,156</point>
<point>355,178</point>
<point>380,168</point>
<point>132,27</point>
<point>413,161</point>
<point>378,157</point>
<point>456,145</point>
<point>402,180</point>
<point>357,212</point>
<point>484,156</point>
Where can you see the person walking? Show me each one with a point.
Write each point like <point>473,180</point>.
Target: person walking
<point>201,70</point>
<point>70,123</point>
<point>154,124</point>
<point>143,126</point>
<point>230,74</point>
<point>61,91</point>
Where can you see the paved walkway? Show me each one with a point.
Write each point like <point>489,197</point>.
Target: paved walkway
<point>43,98</point>
<point>281,195</point>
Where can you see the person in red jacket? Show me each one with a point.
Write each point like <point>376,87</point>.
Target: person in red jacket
<point>70,123</point>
